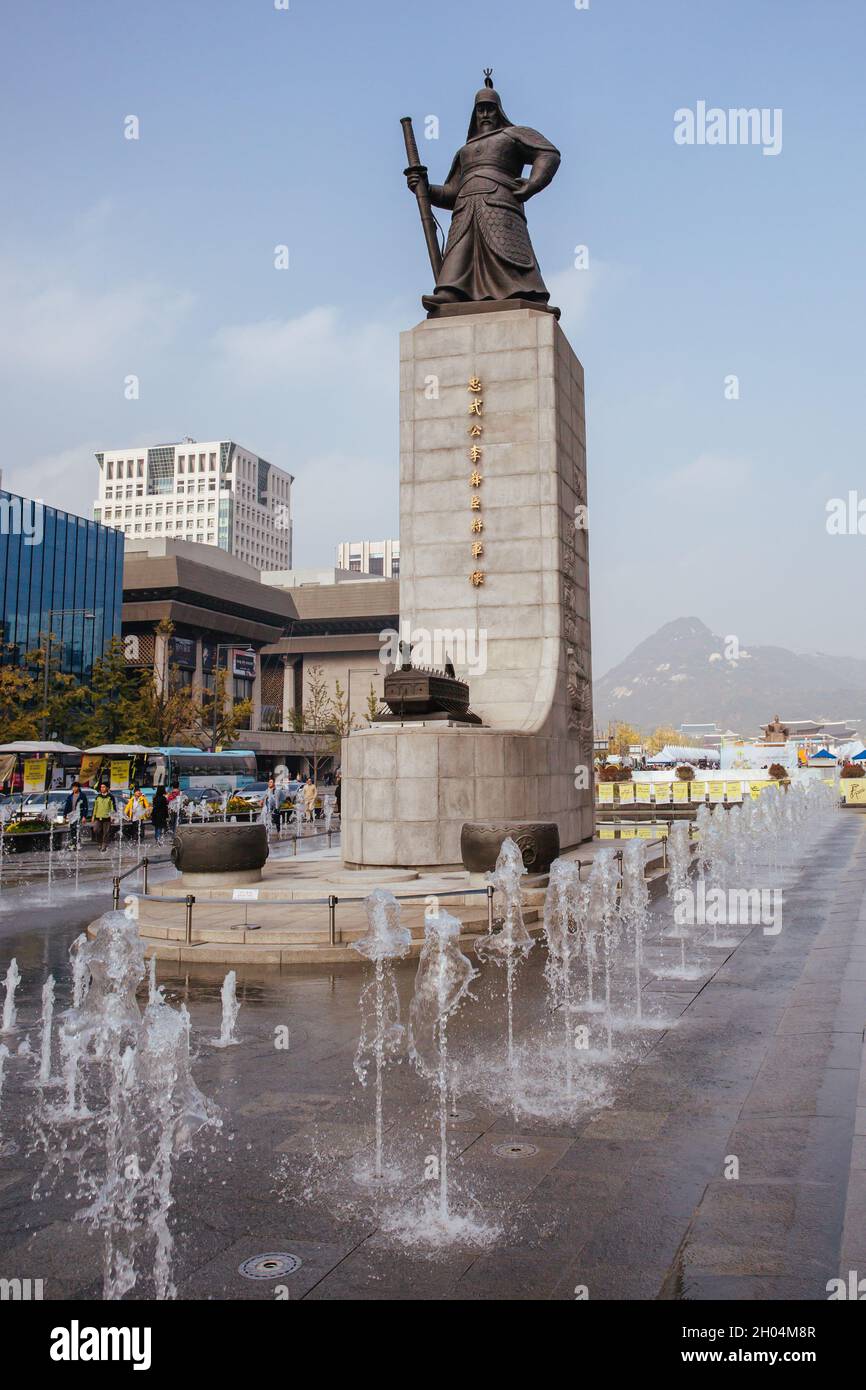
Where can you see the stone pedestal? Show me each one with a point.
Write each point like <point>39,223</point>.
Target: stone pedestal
<point>521,637</point>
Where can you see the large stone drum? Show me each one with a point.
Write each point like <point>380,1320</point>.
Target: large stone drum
<point>218,854</point>
<point>481,841</point>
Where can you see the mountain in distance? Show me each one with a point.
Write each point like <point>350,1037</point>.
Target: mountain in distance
<point>681,675</point>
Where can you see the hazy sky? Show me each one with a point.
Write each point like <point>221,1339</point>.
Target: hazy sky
<point>261,127</point>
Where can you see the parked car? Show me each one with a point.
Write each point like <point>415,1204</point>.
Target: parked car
<point>50,803</point>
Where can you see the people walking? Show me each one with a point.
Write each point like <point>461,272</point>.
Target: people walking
<point>75,805</point>
<point>103,810</point>
<point>174,801</point>
<point>159,814</point>
<point>136,807</point>
<point>270,804</point>
<point>75,809</point>
<point>311,791</point>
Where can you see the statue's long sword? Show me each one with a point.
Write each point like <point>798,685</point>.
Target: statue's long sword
<point>422,193</point>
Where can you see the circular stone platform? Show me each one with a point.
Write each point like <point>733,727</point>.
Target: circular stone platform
<point>283,920</point>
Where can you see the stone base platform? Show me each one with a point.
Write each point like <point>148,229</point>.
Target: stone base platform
<point>286,923</point>
<point>409,790</point>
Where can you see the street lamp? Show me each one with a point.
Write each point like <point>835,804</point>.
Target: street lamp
<point>89,616</point>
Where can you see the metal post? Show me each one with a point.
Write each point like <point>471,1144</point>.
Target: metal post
<point>115,894</point>
<point>189,902</point>
<point>332,919</point>
<point>490,891</point>
<point>144,864</point>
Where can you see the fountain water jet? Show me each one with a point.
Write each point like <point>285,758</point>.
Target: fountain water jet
<point>441,986</point>
<point>230,1010</point>
<point>512,943</point>
<point>13,980</point>
<point>564,914</point>
<point>7,1146</point>
<point>386,940</point>
<point>634,909</point>
<point>603,886</point>
<point>47,1016</point>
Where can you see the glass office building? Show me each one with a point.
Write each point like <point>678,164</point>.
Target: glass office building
<point>60,574</point>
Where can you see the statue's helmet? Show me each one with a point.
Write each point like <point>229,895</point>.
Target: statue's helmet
<point>489,96</point>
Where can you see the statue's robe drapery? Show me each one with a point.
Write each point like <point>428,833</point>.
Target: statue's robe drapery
<point>488,254</point>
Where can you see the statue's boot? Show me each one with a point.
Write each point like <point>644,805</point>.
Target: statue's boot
<point>443,296</point>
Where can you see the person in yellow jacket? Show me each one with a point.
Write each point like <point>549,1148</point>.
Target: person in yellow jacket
<point>136,807</point>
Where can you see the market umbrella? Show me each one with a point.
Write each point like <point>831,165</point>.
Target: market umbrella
<point>24,746</point>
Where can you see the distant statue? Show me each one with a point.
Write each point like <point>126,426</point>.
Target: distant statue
<point>775,731</point>
<point>488,255</point>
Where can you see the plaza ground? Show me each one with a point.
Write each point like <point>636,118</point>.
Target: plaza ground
<point>627,1199</point>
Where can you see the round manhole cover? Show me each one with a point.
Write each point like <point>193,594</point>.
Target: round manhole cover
<point>516,1150</point>
<point>273,1266</point>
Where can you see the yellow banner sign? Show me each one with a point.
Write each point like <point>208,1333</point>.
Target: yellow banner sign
<point>734,791</point>
<point>34,773</point>
<point>643,792</point>
<point>119,774</point>
<point>605,793</point>
<point>626,793</point>
<point>854,790</point>
<point>717,791</point>
<point>699,791</point>
<point>90,765</point>
<point>680,791</point>
<point>663,792</point>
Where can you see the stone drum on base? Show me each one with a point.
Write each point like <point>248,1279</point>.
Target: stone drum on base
<point>214,854</point>
<point>480,843</point>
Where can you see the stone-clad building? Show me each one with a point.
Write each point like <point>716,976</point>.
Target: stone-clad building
<point>276,633</point>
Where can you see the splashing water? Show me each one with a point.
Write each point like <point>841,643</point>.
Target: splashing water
<point>441,986</point>
<point>130,1108</point>
<point>386,940</point>
<point>10,1013</point>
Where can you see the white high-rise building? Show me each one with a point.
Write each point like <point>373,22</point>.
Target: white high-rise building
<point>370,557</point>
<point>216,493</point>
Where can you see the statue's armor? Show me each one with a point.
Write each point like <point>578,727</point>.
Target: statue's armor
<point>488,254</point>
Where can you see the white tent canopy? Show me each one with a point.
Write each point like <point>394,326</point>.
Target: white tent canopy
<point>35,746</point>
<point>673,754</point>
<point>118,750</point>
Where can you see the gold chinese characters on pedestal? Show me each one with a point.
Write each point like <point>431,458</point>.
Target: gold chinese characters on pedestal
<point>476,478</point>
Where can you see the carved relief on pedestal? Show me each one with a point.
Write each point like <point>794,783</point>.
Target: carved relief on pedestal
<point>579,689</point>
